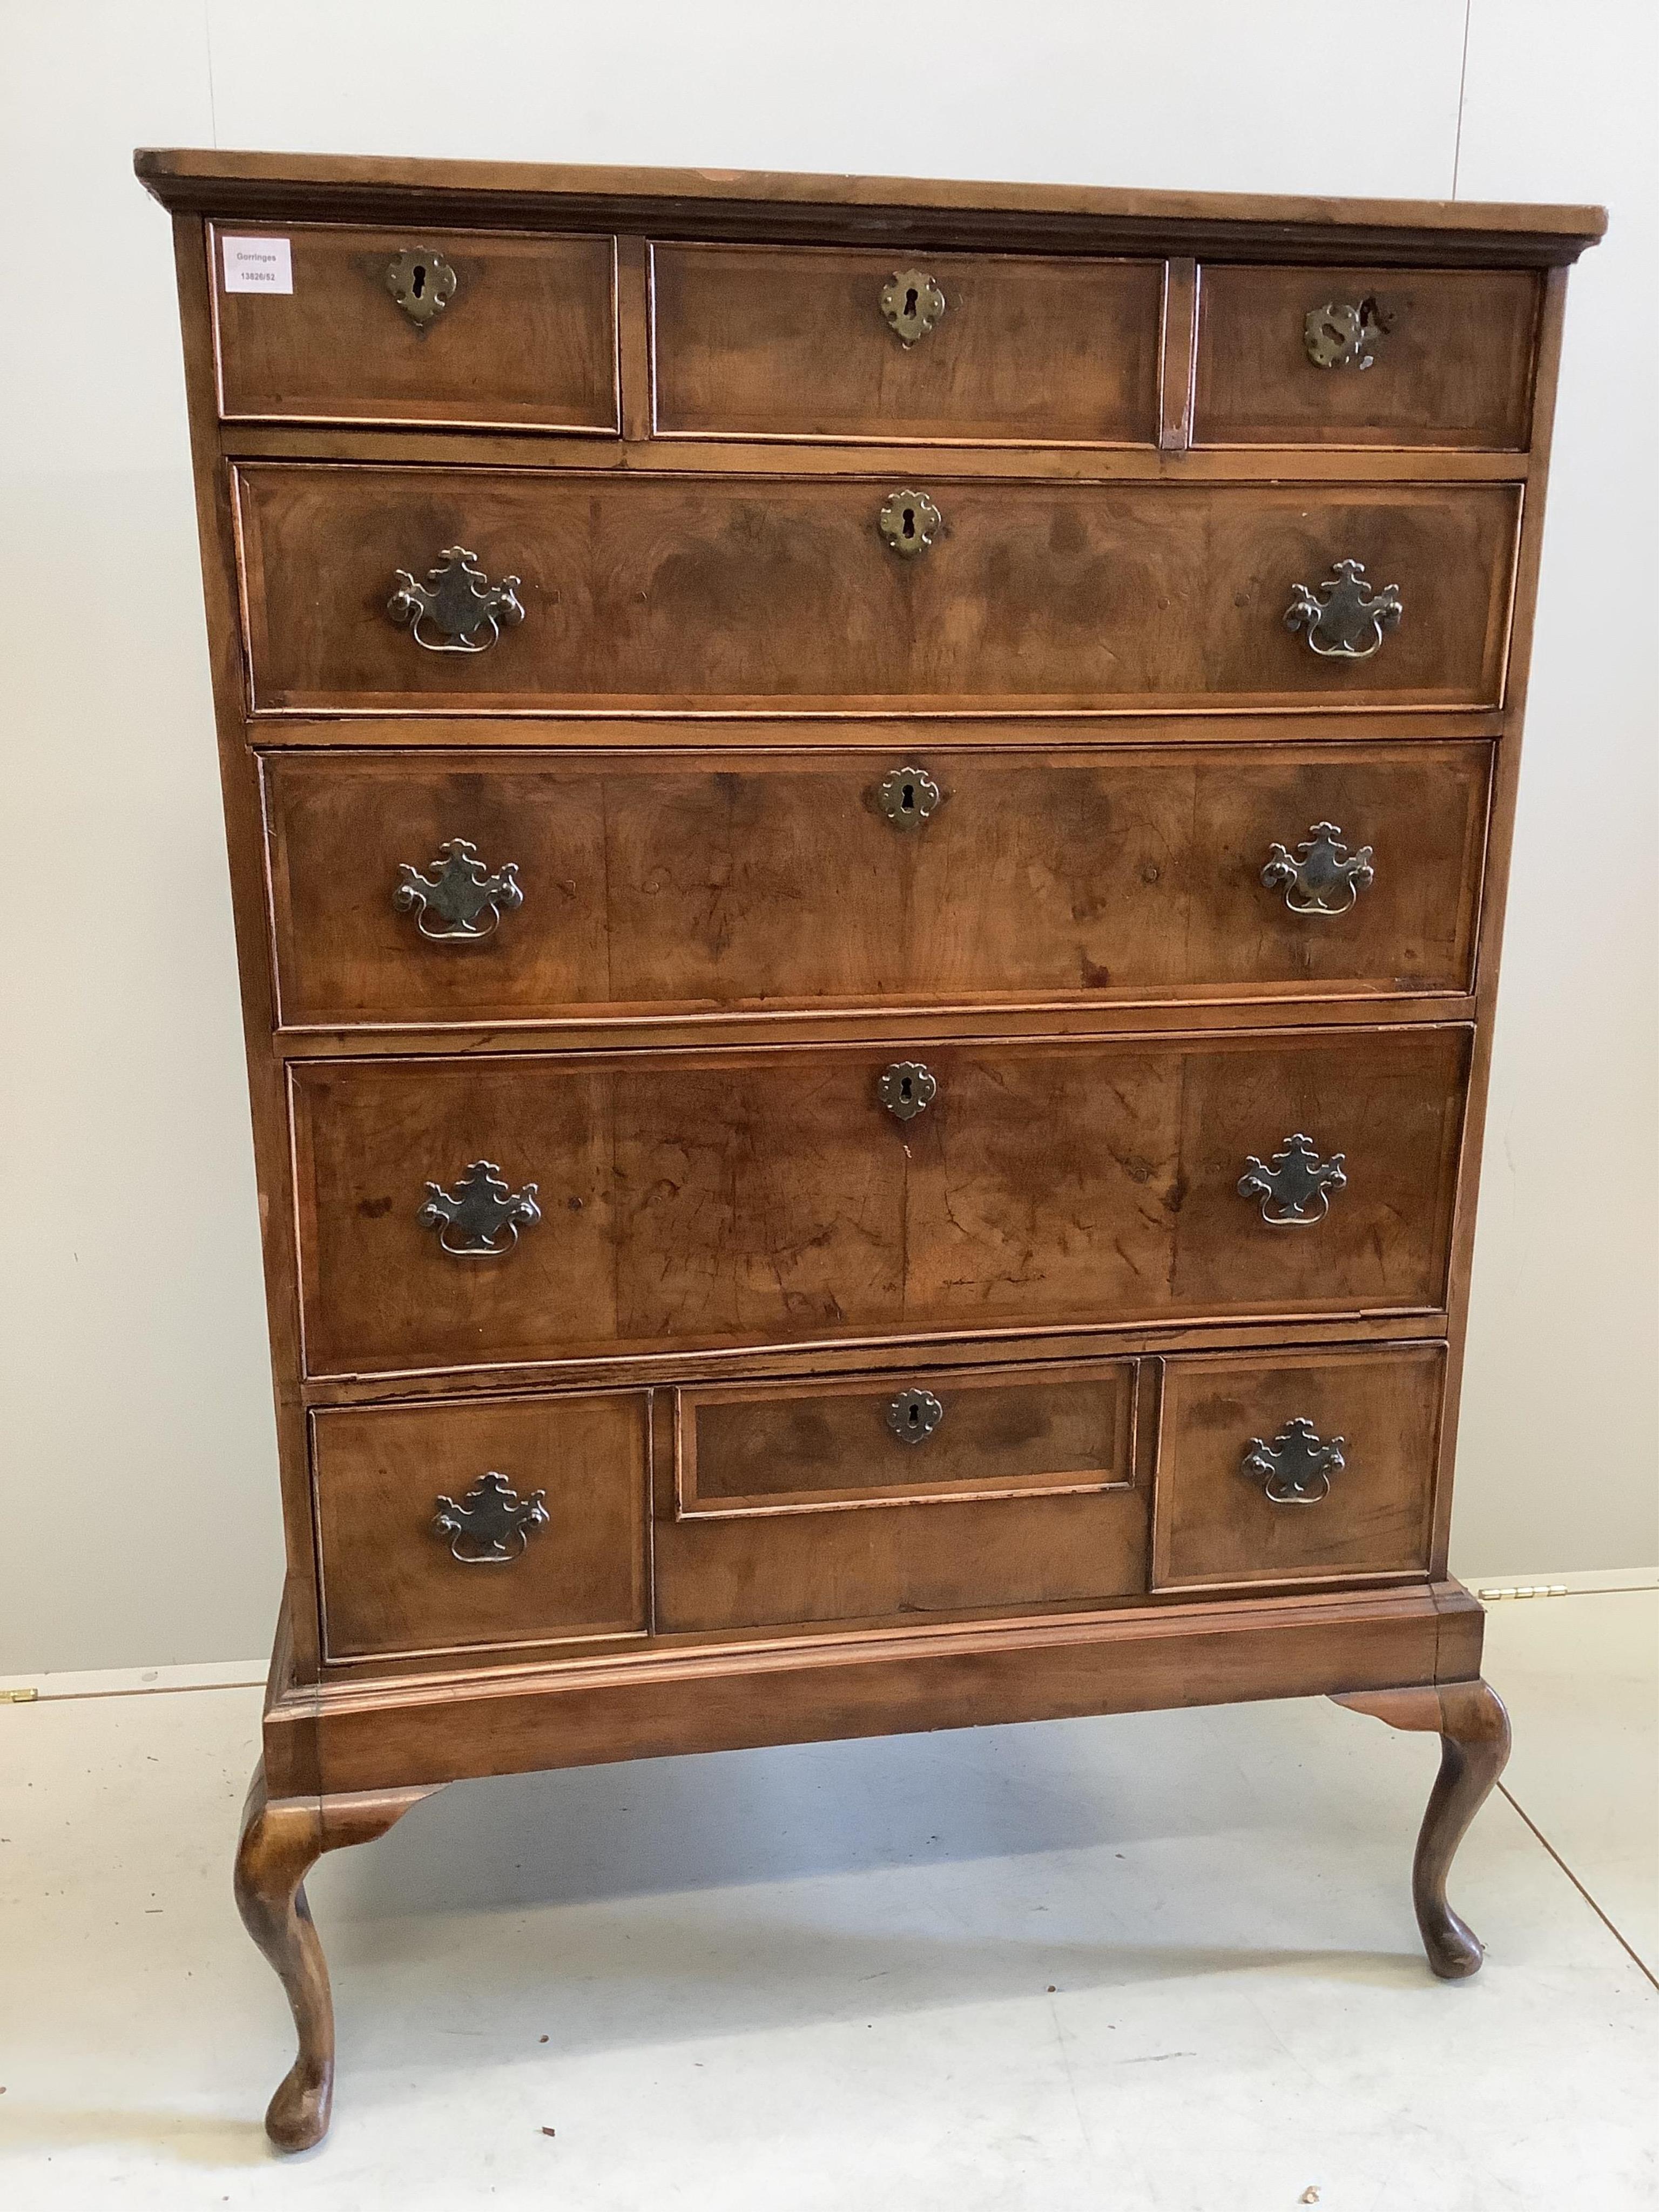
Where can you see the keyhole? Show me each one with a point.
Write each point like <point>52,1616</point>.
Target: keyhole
<point>912,1416</point>
<point>909,522</point>
<point>910,301</point>
<point>417,282</point>
<point>907,800</point>
<point>904,1089</point>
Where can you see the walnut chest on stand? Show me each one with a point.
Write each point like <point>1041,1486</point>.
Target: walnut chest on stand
<point>868,822</point>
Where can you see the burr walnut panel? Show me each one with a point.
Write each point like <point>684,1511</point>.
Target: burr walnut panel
<point>720,1199</point>
<point>527,340</point>
<point>1217,1522</point>
<point>742,594</point>
<point>734,883</point>
<point>767,342</point>
<point>1449,354</point>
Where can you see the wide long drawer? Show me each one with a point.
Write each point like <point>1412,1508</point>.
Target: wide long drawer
<point>461,591</point>
<point>456,888</point>
<point>500,1210</point>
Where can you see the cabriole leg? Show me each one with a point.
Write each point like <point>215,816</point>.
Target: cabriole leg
<point>281,1839</point>
<point>1474,1742</point>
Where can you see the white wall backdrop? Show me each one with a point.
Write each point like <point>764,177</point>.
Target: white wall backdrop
<point>138,1487</point>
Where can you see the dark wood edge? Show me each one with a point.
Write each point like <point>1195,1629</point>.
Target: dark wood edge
<point>664,737</point>
<point>750,1356</point>
<point>290,1749</point>
<point>872,1357</point>
<point>246,844</point>
<point>410,1732</point>
<point>520,447</point>
<point>1501,812</point>
<point>726,204</point>
<point>1012,1019</point>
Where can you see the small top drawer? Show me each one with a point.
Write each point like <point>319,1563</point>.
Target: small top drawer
<point>765,342</point>
<point>1431,357</point>
<point>453,327</point>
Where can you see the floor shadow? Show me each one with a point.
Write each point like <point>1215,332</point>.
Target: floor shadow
<point>646,1827</point>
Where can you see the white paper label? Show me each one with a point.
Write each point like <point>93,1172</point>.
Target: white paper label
<point>257,264</point>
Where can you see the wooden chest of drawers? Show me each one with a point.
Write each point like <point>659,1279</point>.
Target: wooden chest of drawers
<point>868,824</point>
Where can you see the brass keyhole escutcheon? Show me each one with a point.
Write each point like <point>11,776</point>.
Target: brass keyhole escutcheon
<point>913,1415</point>
<point>422,284</point>
<point>912,304</point>
<point>909,522</point>
<point>1346,334</point>
<point>908,797</point>
<point>907,1089</point>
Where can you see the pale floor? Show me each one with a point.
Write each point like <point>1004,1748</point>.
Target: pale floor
<point>1163,1961</point>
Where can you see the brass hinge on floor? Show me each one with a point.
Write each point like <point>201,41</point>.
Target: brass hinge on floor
<point>1525,1589</point>
<point>18,1697</point>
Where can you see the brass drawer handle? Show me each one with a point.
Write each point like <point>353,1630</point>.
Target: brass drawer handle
<point>909,522</point>
<point>1348,623</point>
<point>492,1521</point>
<point>1296,1468</point>
<point>422,284</point>
<point>913,1415</point>
<point>1345,334</point>
<point>1295,1189</point>
<point>912,303</point>
<point>907,796</point>
<point>907,1089</point>
<point>457,601</point>
<point>480,1219</point>
<point>459,891</point>
<point>1322,876</point>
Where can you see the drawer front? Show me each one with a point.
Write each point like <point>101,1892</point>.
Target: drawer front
<point>940,1492</point>
<point>745,1449</point>
<point>1297,1467</point>
<point>614,886</point>
<point>765,342</point>
<point>746,594</point>
<point>455,1528</point>
<point>526,338</point>
<point>664,1201</point>
<point>1430,357</point>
